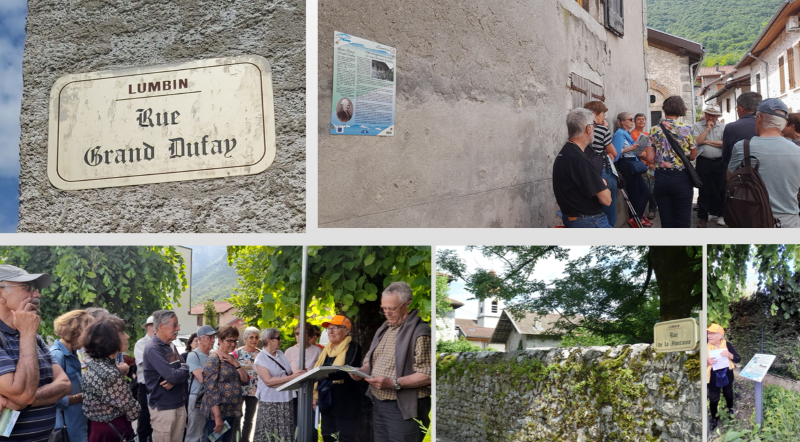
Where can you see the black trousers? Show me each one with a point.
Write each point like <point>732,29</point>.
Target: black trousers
<point>347,429</point>
<point>714,391</point>
<point>143,429</point>
<point>249,416</point>
<point>712,194</point>
<point>637,189</point>
<point>389,425</point>
<point>674,192</point>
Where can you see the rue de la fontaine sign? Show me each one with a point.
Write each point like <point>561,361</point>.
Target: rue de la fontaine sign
<point>185,121</point>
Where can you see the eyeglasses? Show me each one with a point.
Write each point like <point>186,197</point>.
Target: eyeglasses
<point>277,338</point>
<point>336,327</point>
<point>628,119</point>
<point>391,311</point>
<point>29,287</point>
<point>230,341</point>
<point>173,325</point>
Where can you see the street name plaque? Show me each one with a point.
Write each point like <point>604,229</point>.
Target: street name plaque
<point>185,121</point>
<point>677,335</point>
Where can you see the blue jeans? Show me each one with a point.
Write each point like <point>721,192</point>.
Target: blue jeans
<point>586,222</point>
<point>674,191</point>
<point>228,436</point>
<point>611,211</point>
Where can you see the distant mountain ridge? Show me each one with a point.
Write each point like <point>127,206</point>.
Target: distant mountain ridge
<point>215,280</point>
<point>726,28</point>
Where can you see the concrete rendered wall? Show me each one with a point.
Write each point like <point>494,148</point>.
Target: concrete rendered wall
<point>585,394</point>
<point>76,36</point>
<point>481,101</point>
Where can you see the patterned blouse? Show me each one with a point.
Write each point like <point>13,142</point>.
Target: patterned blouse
<point>222,387</point>
<point>665,157</point>
<point>247,360</point>
<point>105,394</point>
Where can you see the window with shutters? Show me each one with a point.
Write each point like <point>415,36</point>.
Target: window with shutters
<point>790,63</point>
<point>584,91</point>
<point>494,306</point>
<point>200,321</point>
<point>615,17</point>
<point>782,70</point>
<point>728,104</point>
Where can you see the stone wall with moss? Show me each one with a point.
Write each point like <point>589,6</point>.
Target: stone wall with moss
<point>624,393</point>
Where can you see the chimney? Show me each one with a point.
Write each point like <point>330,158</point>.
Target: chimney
<point>717,67</point>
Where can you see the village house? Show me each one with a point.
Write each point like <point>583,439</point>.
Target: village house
<point>529,332</point>
<point>708,77</point>
<point>479,331</point>
<point>727,90</point>
<point>773,58</point>
<point>480,110</point>
<point>226,314</point>
<point>673,65</point>
<point>446,329</point>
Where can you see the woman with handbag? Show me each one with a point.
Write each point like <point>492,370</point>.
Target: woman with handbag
<point>107,400</point>
<point>722,378</point>
<point>223,377</point>
<point>338,396</point>
<point>631,168</point>
<point>69,327</point>
<point>275,420</point>
<point>675,177</point>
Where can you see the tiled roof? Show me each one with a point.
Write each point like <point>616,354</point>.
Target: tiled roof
<point>712,70</point>
<point>531,324</point>
<point>454,303</point>
<point>471,329</point>
<point>221,306</point>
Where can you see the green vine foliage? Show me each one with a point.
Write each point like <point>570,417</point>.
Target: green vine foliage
<point>775,266</point>
<point>130,281</point>
<point>340,280</point>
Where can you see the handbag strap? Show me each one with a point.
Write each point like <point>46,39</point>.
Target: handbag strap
<point>279,365</point>
<point>673,143</point>
<point>121,437</point>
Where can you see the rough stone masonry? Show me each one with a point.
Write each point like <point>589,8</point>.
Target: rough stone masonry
<point>624,393</point>
<point>76,36</point>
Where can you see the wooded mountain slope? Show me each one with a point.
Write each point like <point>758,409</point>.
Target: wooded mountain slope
<point>726,28</point>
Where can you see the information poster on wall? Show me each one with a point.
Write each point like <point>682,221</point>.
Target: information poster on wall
<point>758,367</point>
<point>364,87</point>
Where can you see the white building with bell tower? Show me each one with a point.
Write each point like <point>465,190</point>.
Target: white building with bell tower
<point>489,311</point>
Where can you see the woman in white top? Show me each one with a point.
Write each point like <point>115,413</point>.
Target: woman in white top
<point>275,411</point>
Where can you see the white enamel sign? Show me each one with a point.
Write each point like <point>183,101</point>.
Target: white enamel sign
<point>186,121</point>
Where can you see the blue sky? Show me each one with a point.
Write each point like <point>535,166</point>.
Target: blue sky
<point>12,42</point>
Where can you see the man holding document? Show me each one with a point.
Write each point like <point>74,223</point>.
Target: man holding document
<point>399,361</point>
<point>710,167</point>
<point>721,356</point>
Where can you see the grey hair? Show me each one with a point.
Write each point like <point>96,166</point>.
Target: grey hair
<point>577,120</point>
<point>402,289</point>
<point>250,331</point>
<point>267,333</point>
<point>162,317</point>
<point>769,121</point>
<point>97,312</point>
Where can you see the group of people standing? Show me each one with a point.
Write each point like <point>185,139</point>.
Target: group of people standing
<point>85,387</point>
<point>594,160</point>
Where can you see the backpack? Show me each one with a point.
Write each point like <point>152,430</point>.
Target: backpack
<point>746,197</point>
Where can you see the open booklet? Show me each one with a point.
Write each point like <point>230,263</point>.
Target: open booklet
<point>320,372</point>
<point>641,144</point>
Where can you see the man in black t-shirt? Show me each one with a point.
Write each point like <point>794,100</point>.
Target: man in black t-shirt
<point>580,191</point>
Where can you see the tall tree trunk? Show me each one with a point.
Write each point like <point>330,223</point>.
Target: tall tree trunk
<point>675,278</point>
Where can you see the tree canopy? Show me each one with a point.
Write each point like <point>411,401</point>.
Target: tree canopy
<point>607,292</point>
<point>130,281</point>
<point>344,280</point>
<point>776,268</point>
<point>726,28</point>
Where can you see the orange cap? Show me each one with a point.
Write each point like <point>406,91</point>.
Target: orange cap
<point>716,328</point>
<point>338,320</point>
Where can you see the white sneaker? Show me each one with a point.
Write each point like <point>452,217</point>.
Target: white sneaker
<point>721,221</point>
<point>712,217</point>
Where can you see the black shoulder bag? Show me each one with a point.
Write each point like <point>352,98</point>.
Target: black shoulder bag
<point>693,175</point>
